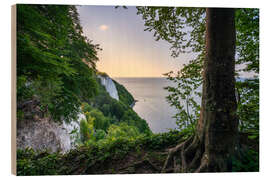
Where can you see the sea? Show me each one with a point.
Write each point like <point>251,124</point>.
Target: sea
<point>151,102</point>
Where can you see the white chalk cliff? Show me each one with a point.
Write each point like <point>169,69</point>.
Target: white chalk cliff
<point>41,133</point>
<point>109,85</point>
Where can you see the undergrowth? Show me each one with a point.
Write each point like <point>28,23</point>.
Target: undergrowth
<point>87,159</point>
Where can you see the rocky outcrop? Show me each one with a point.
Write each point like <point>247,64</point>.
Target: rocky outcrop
<point>109,85</point>
<point>39,132</point>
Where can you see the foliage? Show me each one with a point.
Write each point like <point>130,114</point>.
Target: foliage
<point>184,97</point>
<point>248,106</point>
<point>55,61</point>
<point>123,129</point>
<point>129,123</point>
<point>247,36</point>
<point>57,64</point>
<point>131,118</point>
<point>162,140</point>
<point>184,28</point>
<point>95,124</point>
<point>99,120</point>
<point>97,154</point>
<point>37,163</point>
<point>249,162</point>
<point>23,92</point>
<point>124,95</point>
<point>102,74</point>
<point>108,105</point>
<point>118,111</point>
<point>99,134</point>
<point>86,129</point>
<point>86,107</point>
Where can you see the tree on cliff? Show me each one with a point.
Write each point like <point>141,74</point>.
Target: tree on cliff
<point>214,141</point>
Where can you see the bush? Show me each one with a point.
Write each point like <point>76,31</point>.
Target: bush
<point>248,107</point>
<point>249,162</point>
<point>99,134</point>
<point>99,120</point>
<point>86,107</point>
<point>86,130</point>
<point>122,130</point>
<point>121,140</point>
<point>30,162</point>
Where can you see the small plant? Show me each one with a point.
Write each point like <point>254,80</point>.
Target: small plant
<point>184,95</point>
<point>249,162</point>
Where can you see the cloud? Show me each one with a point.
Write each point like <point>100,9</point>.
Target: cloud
<point>103,27</point>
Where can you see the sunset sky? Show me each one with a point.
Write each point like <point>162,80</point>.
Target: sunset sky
<point>128,50</point>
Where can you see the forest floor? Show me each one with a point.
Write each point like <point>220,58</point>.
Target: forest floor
<point>146,161</point>
<point>144,156</point>
<point>143,162</point>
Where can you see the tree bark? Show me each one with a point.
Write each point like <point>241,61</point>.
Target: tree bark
<point>214,143</point>
<point>218,123</point>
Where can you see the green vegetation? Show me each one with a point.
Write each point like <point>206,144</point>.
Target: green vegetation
<point>56,67</point>
<point>248,107</point>
<point>249,162</point>
<point>189,78</point>
<point>118,111</point>
<point>55,62</point>
<point>102,74</point>
<point>123,94</point>
<point>185,30</point>
<point>119,152</point>
<point>108,123</point>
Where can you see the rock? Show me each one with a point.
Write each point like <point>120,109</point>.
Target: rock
<point>109,85</point>
<point>39,132</point>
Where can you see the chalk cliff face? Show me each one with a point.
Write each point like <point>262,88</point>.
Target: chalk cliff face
<point>43,133</point>
<point>39,132</point>
<point>109,85</point>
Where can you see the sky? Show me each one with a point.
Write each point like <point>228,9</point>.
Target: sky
<point>127,50</point>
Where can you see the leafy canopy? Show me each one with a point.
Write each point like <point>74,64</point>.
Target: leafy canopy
<point>55,61</point>
<point>184,28</point>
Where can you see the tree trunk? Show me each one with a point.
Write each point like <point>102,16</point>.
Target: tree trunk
<point>218,123</point>
<point>214,143</point>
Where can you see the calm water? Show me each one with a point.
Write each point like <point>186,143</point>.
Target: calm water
<point>152,105</point>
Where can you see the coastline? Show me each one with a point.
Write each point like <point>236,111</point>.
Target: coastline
<point>133,104</point>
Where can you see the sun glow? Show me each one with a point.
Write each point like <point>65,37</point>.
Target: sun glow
<point>103,27</point>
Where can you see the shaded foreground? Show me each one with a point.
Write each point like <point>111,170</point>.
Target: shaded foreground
<point>145,154</point>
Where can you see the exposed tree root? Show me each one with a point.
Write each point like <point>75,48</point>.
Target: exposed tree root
<point>191,157</point>
<point>176,152</point>
<point>187,157</point>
